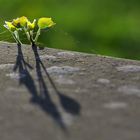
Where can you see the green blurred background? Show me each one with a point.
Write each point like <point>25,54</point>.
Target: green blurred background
<point>108,27</point>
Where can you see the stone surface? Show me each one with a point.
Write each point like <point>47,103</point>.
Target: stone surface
<point>67,95</point>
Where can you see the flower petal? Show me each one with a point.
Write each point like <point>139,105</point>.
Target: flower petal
<point>9,26</point>
<point>45,23</point>
<point>30,25</point>
<point>23,21</point>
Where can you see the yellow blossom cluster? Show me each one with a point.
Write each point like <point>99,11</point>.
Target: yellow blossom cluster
<point>23,24</point>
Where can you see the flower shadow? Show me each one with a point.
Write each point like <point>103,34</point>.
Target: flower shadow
<point>69,105</point>
<point>42,97</point>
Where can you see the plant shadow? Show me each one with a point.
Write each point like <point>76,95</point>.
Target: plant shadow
<point>42,97</point>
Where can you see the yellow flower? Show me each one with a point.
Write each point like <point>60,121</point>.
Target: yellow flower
<point>45,22</point>
<point>23,21</point>
<point>16,23</point>
<point>9,26</point>
<point>30,25</point>
<point>20,22</point>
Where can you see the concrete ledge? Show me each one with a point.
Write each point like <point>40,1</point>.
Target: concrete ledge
<point>57,95</point>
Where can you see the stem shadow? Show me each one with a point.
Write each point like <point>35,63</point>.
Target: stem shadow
<point>42,97</point>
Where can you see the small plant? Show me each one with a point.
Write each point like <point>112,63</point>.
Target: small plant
<point>23,24</point>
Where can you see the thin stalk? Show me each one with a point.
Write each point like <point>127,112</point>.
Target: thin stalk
<point>31,38</point>
<point>27,33</point>
<point>17,34</point>
<point>15,38</point>
<point>37,35</point>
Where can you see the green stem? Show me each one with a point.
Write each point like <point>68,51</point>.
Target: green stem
<point>37,35</point>
<point>27,33</point>
<point>31,38</point>
<point>16,38</point>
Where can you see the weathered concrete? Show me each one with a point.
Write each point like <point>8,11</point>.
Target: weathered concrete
<point>79,97</point>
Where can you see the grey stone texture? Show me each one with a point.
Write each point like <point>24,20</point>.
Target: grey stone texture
<point>54,94</point>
